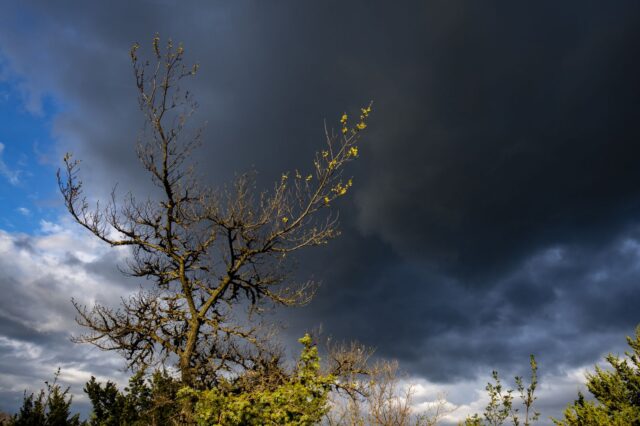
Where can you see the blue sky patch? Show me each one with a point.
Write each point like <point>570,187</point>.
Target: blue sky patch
<point>27,166</point>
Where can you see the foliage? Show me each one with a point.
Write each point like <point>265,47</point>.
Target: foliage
<point>107,402</point>
<point>500,408</point>
<point>210,253</point>
<point>616,392</point>
<point>300,400</point>
<point>296,398</point>
<point>144,402</point>
<point>50,407</point>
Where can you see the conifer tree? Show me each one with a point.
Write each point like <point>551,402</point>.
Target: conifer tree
<point>50,407</point>
<point>616,392</point>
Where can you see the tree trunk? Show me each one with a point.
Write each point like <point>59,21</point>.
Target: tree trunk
<point>186,371</point>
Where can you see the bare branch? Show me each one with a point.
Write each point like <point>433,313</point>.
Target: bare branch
<point>208,253</point>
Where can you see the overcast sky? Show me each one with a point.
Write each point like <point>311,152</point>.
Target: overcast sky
<point>496,205</point>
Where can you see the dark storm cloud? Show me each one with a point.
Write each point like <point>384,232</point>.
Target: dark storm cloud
<point>520,132</point>
<point>503,135</point>
<point>567,304</point>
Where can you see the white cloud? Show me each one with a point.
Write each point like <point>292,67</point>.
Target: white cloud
<point>468,397</point>
<point>47,278</point>
<point>49,227</point>
<point>13,176</point>
<point>24,211</point>
<point>40,275</point>
<point>26,349</point>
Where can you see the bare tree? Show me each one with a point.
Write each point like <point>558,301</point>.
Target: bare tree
<point>208,252</point>
<point>367,393</point>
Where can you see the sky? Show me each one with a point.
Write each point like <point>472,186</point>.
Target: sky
<point>495,208</point>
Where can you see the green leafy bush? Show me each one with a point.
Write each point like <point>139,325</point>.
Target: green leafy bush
<point>300,400</point>
<point>500,408</point>
<point>266,395</point>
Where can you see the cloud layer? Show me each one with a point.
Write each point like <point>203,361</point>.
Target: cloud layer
<point>40,274</point>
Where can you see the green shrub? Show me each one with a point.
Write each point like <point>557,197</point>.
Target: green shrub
<point>500,408</point>
<point>300,400</point>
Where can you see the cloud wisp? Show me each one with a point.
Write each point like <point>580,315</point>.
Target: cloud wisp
<point>11,175</point>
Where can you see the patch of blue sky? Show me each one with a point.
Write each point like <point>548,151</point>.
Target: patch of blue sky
<point>28,188</point>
